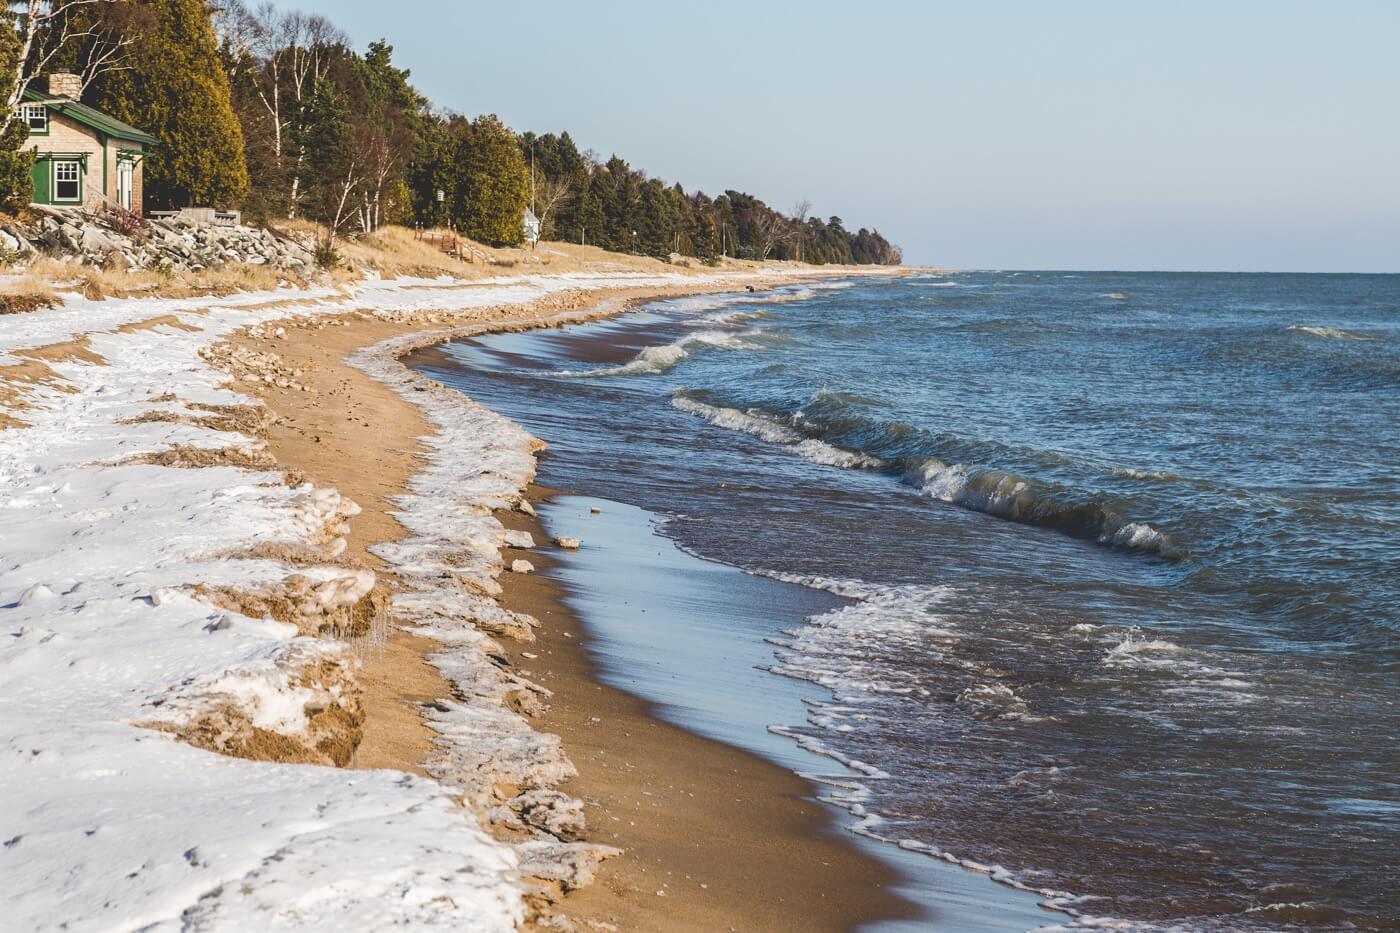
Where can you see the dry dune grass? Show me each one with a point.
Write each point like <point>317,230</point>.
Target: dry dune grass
<point>395,251</point>
<point>40,283</point>
<point>391,252</point>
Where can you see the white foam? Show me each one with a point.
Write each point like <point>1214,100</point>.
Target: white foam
<point>655,360</point>
<point>1130,473</point>
<point>761,426</point>
<point>1200,676</point>
<point>1137,535</point>
<point>1331,333</point>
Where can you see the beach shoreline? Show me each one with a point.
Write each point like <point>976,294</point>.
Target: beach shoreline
<point>360,436</point>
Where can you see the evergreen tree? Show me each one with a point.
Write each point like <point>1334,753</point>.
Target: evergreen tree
<point>327,143</point>
<point>587,218</point>
<point>704,242</point>
<point>176,89</point>
<point>431,171</point>
<point>492,187</point>
<point>16,159</point>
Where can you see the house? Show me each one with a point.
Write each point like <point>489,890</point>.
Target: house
<point>86,158</point>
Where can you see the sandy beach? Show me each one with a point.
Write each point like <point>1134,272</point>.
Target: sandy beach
<point>663,795</point>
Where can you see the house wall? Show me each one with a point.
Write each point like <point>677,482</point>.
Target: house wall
<point>66,136</point>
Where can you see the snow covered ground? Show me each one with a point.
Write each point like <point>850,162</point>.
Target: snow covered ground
<point>109,821</point>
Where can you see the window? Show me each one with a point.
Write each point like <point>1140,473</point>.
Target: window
<point>36,116</point>
<point>67,180</point>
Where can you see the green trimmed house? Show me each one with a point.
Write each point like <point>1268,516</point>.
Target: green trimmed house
<point>85,157</point>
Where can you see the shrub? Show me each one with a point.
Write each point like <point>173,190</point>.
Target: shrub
<point>327,256</point>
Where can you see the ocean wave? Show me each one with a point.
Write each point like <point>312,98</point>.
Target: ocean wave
<point>728,317</point>
<point>1157,475</point>
<point>655,360</point>
<point>1332,333</point>
<point>1115,296</point>
<point>1200,673</point>
<point>831,429</point>
<point>994,701</point>
<point>1019,499</point>
<point>764,427</point>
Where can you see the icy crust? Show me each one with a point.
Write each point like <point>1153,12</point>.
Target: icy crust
<point>140,608</point>
<point>479,462</point>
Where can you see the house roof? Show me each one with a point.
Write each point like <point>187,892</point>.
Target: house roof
<point>89,116</point>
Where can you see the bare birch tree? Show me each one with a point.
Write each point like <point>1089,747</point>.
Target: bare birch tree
<point>550,195</point>
<point>797,231</point>
<point>49,30</point>
<point>771,228</point>
<point>383,151</point>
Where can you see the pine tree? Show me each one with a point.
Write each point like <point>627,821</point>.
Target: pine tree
<point>493,184</point>
<point>177,90</point>
<point>588,219</point>
<point>16,159</point>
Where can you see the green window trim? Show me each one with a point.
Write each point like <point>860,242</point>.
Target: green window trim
<point>54,166</point>
<point>27,108</point>
<point>64,157</point>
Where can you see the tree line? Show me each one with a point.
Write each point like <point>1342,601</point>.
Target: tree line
<point>275,112</point>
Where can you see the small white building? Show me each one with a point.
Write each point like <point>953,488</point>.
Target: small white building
<point>532,227</point>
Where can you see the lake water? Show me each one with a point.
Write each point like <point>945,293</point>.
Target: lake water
<point>1119,559</point>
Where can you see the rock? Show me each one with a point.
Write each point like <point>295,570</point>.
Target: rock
<point>596,510</point>
<point>521,566</point>
<point>520,539</point>
<point>567,543</point>
<point>553,812</point>
<point>571,864</point>
<point>93,239</point>
<point>525,506</point>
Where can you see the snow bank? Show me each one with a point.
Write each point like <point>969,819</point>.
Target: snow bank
<point>112,822</point>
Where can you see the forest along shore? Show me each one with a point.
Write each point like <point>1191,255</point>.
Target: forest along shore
<point>193,608</point>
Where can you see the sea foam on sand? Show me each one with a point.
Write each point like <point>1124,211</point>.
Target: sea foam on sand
<point>111,649</point>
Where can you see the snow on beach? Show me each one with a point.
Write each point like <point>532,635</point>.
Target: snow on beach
<point>114,644</point>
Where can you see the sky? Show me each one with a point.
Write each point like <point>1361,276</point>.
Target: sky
<point>1228,135</point>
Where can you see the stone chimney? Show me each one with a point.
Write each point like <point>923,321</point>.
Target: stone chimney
<point>65,84</point>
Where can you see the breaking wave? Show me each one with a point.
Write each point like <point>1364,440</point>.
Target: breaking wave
<point>655,360</point>
<point>831,430</point>
<point>1331,333</point>
<point>1030,502</point>
<point>754,422</point>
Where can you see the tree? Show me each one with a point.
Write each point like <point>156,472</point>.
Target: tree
<point>431,171</point>
<point>16,183</point>
<point>492,185</point>
<point>388,108</point>
<point>89,37</point>
<point>587,217</point>
<point>174,87</point>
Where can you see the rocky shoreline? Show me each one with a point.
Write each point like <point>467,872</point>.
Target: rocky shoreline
<point>121,240</point>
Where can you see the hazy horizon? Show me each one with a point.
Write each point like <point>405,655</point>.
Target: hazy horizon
<point>1090,136</point>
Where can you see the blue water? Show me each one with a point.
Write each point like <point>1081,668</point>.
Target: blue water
<point>1120,551</point>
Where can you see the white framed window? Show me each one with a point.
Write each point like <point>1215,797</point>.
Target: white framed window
<point>35,116</point>
<point>67,180</point>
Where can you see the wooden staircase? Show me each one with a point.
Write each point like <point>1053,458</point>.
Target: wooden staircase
<point>456,247</point>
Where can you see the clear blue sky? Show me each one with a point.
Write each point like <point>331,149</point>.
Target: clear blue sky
<point>1235,134</point>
